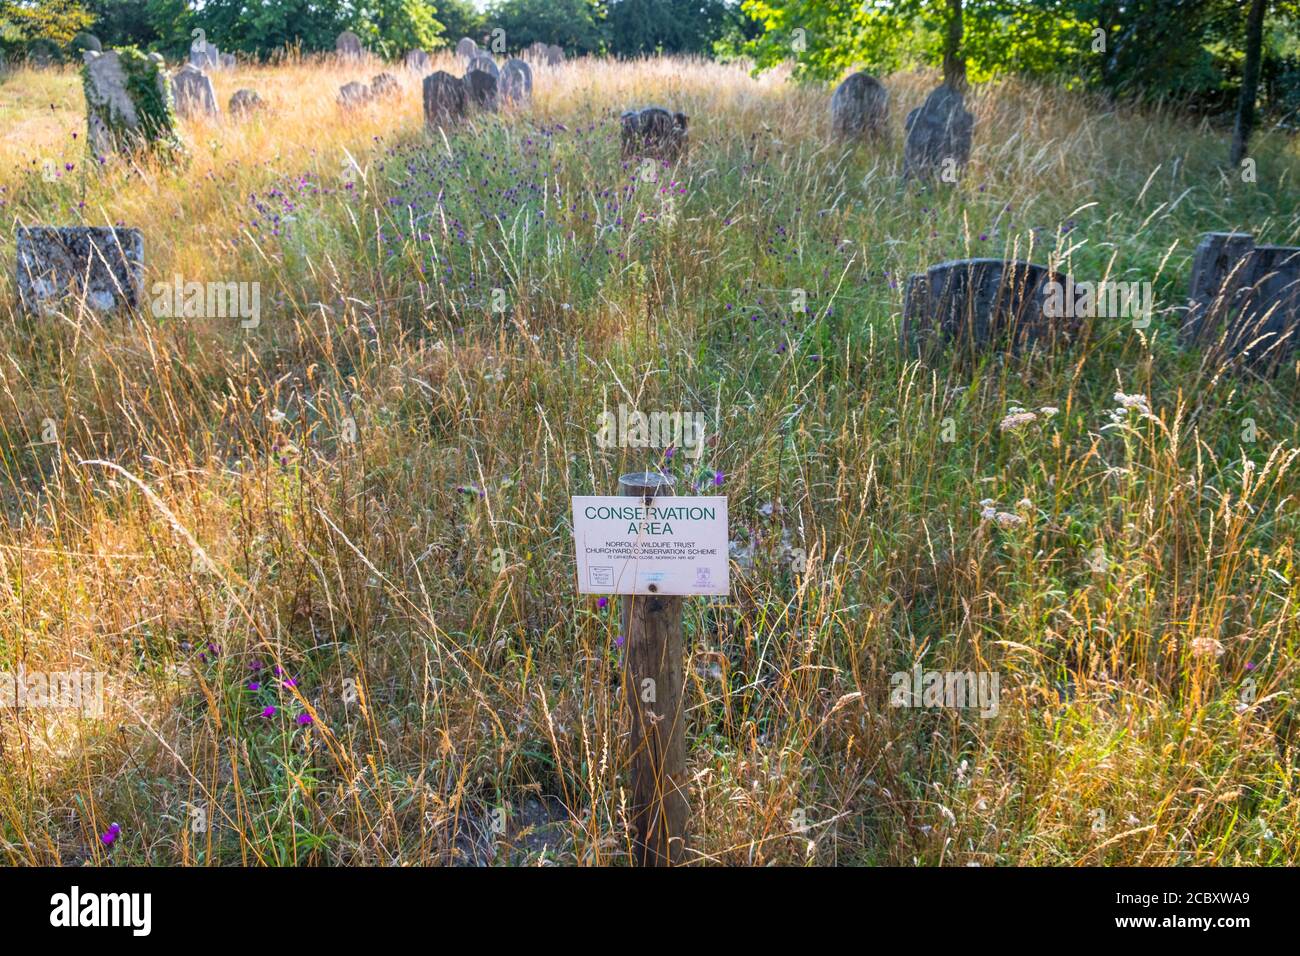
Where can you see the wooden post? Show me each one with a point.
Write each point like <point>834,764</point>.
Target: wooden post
<point>652,688</point>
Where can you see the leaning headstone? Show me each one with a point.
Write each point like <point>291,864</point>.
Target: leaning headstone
<point>445,99</point>
<point>481,90</point>
<point>121,113</point>
<point>1244,301</point>
<point>984,303</point>
<point>354,94</point>
<point>204,54</point>
<point>104,266</point>
<point>245,103</point>
<point>482,61</point>
<point>1219,274</point>
<point>192,93</point>
<point>466,48</point>
<point>385,84</point>
<point>653,132</point>
<point>938,136</point>
<point>348,45</point>
<point>416,61</point>
<point>516,82</point>
<point>85,41</point>
<point>860,108</point>
<point>554,55</point>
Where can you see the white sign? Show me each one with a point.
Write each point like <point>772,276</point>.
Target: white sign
<point>670,545</point>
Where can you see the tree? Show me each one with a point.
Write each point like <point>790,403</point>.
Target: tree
<point>1249,82</point>
<point>954,64</point>
<point>459,19</point>
<point>643,27</point>
<point>50,23</point>
<point>576,25</point>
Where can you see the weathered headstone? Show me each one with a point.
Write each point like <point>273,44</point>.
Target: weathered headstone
<point>354,94</point>
<point>85,41</point>
<point>938,136</point>
<point>416,61</point>
<point>536,52</point>
<point>653,132</point>
<point>554,55</point>
<point>227,61</point>
<point>204,54</point>
<point>245,103</point>
<point>384,84</point>
<point>482,61</point>
<point>983,303</point>
<point>860,108</point>
<point>125,115</point>
<point>516,82</point>
<point>348,45</point>
<point>192,93</point>
<point>445,99</point>
<point>104,266</point>
<point>481,90</point>
<point>466,48</point>
<point>1244,300</point>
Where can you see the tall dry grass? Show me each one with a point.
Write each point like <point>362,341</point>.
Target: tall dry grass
<point>369,490</point>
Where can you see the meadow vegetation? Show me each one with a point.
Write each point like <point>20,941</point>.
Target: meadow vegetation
<point>360,505</point>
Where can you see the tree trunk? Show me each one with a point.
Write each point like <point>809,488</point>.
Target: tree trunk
<point>1249,82</point>
<point>954,65</point>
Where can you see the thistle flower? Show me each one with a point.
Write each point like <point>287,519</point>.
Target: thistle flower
<point>109,836</point>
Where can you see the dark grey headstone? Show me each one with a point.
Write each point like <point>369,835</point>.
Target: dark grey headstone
<point>103,265</point>
<point>484,62</point>
<point>554,55</point>
<point>516,82</point>
<point>984,303</point>
<point>653,132</point>
<point>354,94</point>
<point>466,49</point>
<point>384,84</point>
<point>445,99</point>
<point>245,103</point>
<point>860,108</point>
<point>481,89</point>
<point>938,135</point>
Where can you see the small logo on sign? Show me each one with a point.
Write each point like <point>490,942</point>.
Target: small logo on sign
<point>601,577</point>
<point>702,579</point>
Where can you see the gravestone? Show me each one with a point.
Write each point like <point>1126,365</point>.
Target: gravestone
<point>481,90</point>
<point>481,61</point>
<point>466,49</point>
<point>416,61</point>
<point>1244,300</point>
<point>445,99</point>
<point>860,108</point>
<point>516,82</point>
<point>227,61</point>
<point>354,94</point>
<point>348,45</point>
<point>536,52</point>
<point>985,303</point>
<point>554,55</point>
<point>383,85</point>
<point>653,132</point>
<point>938,135</point>
<point>105,266</point>
<point>121,115</point>
<point>85,41</point>
<point>192,93</point>
<point>205,55</point>
<point>244,103</point>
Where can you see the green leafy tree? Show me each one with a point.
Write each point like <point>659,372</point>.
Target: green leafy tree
<point>642,27</point>
<point>51,24</point>
<point>576,25</point>
<point>459,19</point>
